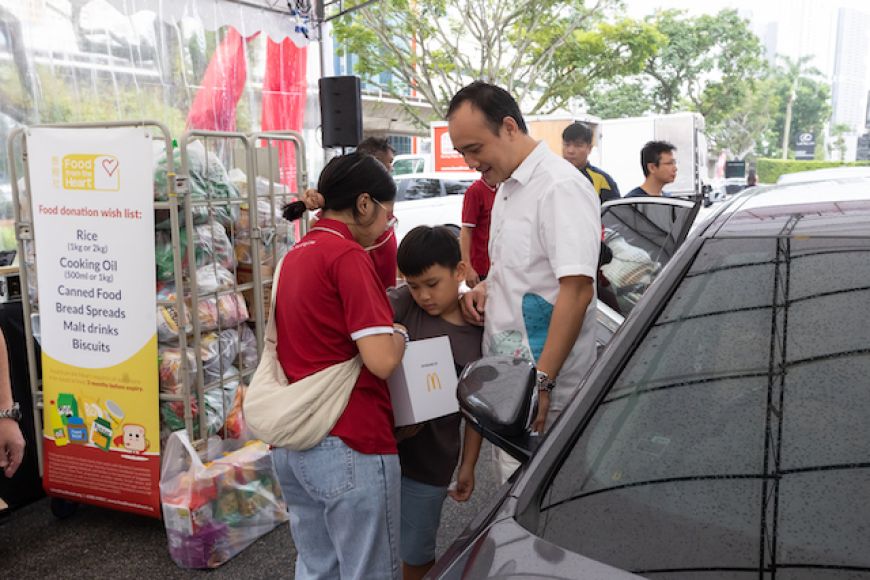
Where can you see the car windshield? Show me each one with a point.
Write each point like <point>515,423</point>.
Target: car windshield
<point>735,442</point>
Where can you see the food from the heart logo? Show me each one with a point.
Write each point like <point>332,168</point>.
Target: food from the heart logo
<point>91,172</point>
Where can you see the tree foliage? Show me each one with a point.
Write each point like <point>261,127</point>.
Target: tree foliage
<point>545,52</point>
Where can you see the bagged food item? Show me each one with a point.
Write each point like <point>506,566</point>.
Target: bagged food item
<point>208,179</point>
<point>235,427</point>
<point>211,245</point>
<point>170,368</point>
<point>225,311</point>
<point>212,278</point>
<point>219,399</point>
<point>248,355</point>
<point>213,510</point>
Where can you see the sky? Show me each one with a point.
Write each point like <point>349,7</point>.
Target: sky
<point>804,26</point>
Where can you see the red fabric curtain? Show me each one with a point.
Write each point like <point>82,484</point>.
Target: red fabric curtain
<point>214,107</point>
<point>284,92</point>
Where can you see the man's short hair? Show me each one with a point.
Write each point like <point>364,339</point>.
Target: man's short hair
<point>652,153</point>
<point>374,145</point>
<point>494,102</point>
<point>577,132</point>
<point>426,246</point>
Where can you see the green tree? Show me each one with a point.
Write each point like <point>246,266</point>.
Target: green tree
<point>707,63</point>
<point>792,74</point>
<point>749,124</point>
<point>542,51</point>
<point>838,141</point>
<point>622,99</point>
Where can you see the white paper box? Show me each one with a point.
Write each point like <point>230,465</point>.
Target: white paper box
<point>423,387</point>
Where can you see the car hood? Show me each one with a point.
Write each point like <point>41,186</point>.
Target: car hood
<point>506,550</point>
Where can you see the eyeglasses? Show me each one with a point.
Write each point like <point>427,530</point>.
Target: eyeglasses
<point>392,220</point>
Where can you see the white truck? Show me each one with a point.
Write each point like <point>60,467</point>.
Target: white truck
<point>619,141</point>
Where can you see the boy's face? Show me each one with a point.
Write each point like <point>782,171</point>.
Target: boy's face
<point>436,290</point>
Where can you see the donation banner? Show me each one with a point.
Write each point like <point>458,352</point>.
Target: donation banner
<point>93,219</point>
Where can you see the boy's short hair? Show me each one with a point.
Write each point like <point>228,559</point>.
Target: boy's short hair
<point>426,246</point>
<point>577,131</point>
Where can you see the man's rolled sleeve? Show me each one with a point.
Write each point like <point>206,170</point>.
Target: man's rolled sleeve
<point>572,228</point>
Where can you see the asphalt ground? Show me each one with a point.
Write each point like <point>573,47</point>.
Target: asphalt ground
<point>101,543</point>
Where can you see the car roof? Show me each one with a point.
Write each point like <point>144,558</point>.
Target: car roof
<point>833,207</point>
<point>823,174</point>
<point>451,175</point>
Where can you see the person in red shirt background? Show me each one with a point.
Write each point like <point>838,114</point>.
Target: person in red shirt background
<point>383,250</point>
<point>474,235</point>
<point>343,494</point>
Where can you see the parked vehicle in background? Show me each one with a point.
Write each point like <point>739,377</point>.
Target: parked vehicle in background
<point>411,163</point>
<point>433,198</point>
<point>723,432</point>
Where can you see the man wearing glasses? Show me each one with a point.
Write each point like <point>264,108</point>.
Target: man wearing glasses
<point>659,167</point>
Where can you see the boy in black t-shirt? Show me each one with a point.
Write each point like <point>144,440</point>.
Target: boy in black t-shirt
<point>429,259</point>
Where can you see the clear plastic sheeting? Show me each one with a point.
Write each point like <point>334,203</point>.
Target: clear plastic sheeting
<point>204,64</point>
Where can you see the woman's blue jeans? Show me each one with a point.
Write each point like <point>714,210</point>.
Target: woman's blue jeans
<point>344,510</point>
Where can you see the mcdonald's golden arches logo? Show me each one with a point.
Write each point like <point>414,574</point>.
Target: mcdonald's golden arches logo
<point>433,382</point>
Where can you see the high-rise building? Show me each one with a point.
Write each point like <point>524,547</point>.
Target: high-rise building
<point>849,82</point>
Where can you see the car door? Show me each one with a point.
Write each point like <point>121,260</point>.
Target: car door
<point>641,235</point>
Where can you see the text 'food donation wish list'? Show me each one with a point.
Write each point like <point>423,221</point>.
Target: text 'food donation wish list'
<point>93,225</point>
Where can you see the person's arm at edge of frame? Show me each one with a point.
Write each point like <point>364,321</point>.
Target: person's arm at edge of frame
<point>11,439</point>
<point>575,295</point>
<point>465,476</point>
<point>472,278</point>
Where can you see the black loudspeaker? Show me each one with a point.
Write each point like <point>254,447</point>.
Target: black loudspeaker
<point>340,111</point>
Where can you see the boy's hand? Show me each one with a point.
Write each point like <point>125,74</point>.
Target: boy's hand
<point>543,407</point>
<point>312,199</point>
<point>473,304</point>
<point>463,487</point>
<point>472,278</point>
<point>402,433</point>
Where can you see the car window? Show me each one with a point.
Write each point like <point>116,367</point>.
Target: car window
<point>737,436</point>
<point>418,188</point>
<point>456,187</point>
<point>639,239</point>
<point>403,166</point>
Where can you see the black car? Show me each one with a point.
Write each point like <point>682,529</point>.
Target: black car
<point>724,431</point>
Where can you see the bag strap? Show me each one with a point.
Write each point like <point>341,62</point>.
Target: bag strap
<point>271,331</point>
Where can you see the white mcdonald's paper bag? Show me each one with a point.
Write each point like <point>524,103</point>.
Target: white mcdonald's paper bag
<point>423,387</point>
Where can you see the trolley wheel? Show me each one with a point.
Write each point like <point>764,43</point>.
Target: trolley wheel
<point>62,509</point>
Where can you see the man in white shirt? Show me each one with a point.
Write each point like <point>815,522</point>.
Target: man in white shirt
<point>539,299</point>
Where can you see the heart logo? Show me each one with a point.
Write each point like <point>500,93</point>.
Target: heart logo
<point>110,166</point>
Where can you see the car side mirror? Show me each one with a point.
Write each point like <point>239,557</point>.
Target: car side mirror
<point>497,396</point>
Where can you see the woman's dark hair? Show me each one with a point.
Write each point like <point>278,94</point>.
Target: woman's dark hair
<point>495,103</point>
<point>344,179</point>
<point>424,247</point>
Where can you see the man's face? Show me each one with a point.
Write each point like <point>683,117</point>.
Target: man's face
<point>666,170</point>
<point>576,153</point>
<point>386,157</point>
<point>482,149</point>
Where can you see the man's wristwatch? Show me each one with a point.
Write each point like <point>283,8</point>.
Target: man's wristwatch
<point>13,413</point>
<point>543,382</point>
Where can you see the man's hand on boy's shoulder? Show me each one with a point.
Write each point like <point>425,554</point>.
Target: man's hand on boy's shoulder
<point>473,304</point>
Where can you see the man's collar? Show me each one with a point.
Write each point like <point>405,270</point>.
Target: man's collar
<point>523,173</point>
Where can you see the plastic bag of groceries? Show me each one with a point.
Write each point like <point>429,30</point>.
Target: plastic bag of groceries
<point>215,509</point>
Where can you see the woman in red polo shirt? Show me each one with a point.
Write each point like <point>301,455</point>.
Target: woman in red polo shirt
<point>343,494</point>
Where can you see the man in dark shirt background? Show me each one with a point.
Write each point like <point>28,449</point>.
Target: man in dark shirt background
<point>659,167</point>
<point>576,146</point>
